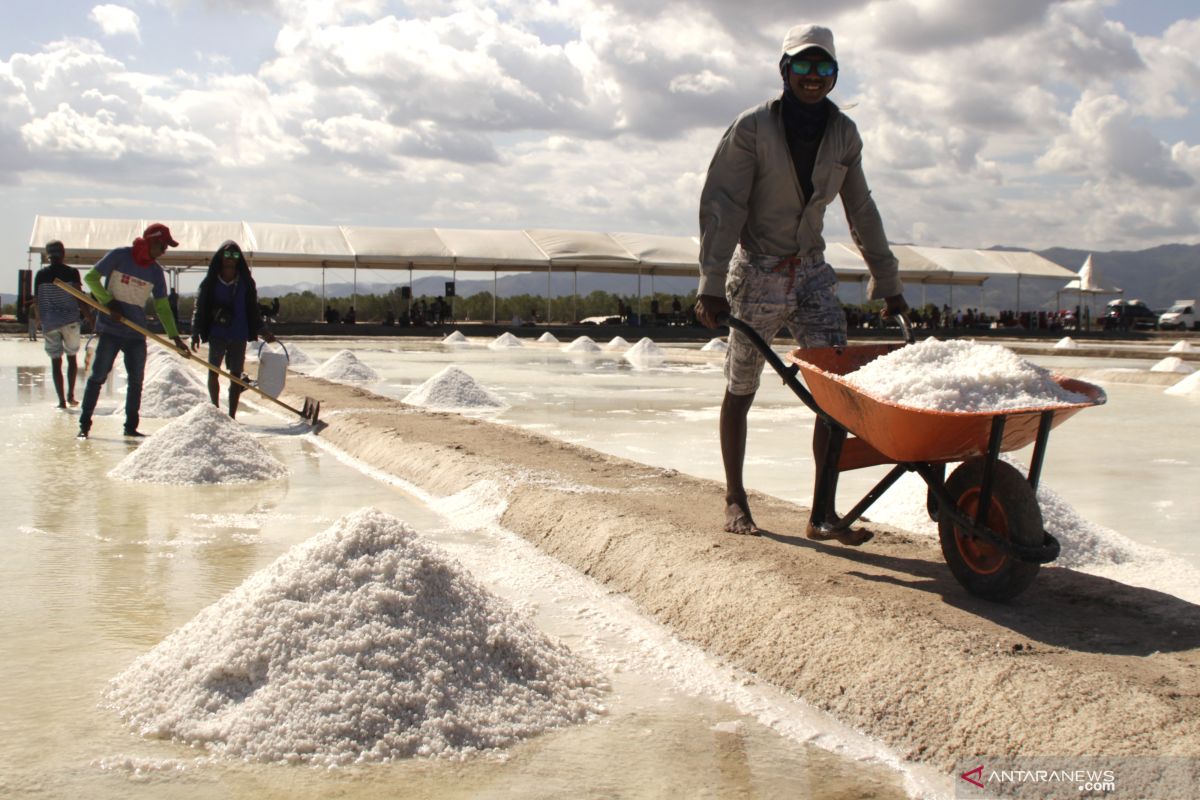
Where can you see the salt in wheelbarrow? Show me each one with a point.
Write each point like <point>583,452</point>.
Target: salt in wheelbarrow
<point>989,522</point>
<point>312,407</point>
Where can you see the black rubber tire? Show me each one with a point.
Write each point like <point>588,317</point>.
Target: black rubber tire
<point>981,569</point>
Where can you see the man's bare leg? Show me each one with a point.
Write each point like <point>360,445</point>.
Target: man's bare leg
<point>734,409</point>
<point>214,389</point>
<point>824,531</point>
<point>56,374</point>
<point>72,372</point>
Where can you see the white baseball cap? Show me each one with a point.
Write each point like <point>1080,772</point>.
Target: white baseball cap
<point>802,37</point>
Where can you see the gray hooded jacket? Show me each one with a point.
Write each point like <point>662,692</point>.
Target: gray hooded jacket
<point>752,196</point>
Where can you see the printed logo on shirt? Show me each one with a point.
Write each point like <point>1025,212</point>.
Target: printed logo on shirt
<point>130,289</point>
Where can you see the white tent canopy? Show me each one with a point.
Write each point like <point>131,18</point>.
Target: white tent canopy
<point>1090,281</point>
<point>273,244</point>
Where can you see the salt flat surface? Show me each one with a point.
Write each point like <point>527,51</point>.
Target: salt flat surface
<point>1188,386</point>
<point>345,366</point>
<point>453,389</point>
<point>365,643</point>
<point>170,391</point>
<point>202,446</point>
<point>548,338</point>
<point>616,343</point>
<point>959,375</point>
<point>716,345</point>
<point>1173,364</point>
<point>583,344</point>
<point>505,341</point>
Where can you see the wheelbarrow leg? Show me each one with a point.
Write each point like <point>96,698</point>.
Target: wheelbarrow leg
<point>827,451</point>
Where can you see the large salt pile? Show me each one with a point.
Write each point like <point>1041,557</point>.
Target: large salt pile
<point>1066,343</point>
<point>548,338</point>
<point>583,344</point>
<point>170,391</point>
<point>960,375</point>
<point>644,352</point>
<point>345,366</point>
<point>616,343</point>
<point>1173,364</point>
<point>455,338</point>
<point>364,643</point>
<point>452,389</point>
<point>1188,386</point>
<point>1182,346</point>
<point>202,446</point>
<point>505,341</point>
<point>716,345</point>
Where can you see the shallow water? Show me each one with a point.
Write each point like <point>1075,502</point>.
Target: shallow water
<point>97,572</point>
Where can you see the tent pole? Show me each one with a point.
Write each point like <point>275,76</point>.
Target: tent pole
<point>549,275</point>
<point>494,289</point>
<point>408,308</point>
<point>354,289</point>
<point>454,280</point>
<point>639,314</point>
<point>1019,295</point>
<point>575,296</point>
<point>323,301</point>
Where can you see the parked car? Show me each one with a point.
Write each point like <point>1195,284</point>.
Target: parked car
<point>1127,315</point>
<point>1180,316</point>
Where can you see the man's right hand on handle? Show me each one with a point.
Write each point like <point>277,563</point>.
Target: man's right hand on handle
<point>709,309</point>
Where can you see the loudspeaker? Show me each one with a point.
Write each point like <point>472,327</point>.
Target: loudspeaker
<point>405,292</point>
<point>449,288</point>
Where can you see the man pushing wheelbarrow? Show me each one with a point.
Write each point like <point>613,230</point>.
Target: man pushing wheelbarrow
<point>762,258</point>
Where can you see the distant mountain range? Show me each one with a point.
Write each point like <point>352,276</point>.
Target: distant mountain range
<point>1158,276</point>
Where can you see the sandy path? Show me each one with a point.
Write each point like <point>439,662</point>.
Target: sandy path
<point>882,637</point>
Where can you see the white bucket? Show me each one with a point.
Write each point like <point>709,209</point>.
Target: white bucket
<point>272,370</point>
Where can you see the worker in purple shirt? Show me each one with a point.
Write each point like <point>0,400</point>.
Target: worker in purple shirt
<point>123,280</point>
<point>227,316</point>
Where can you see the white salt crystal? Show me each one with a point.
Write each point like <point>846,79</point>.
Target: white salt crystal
<point>172,390</point>
<point>1188,386</point>
<point>1182,346</point>
<point>345,366</point>
<point>363,644</point>
<point>455,338</point>
<point>716,345</point>
<point>1173,364</point>
<point>644,353</point>
<point>616,343</point>
<point>452,389</point>
<point>202,446</point>
<point>960,375</point>
<point>584,344</point>
<point>1066,343</point>
<point>504,341</point>
<point>548,338</point>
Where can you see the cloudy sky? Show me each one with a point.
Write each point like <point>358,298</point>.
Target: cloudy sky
<point>1025,122</point>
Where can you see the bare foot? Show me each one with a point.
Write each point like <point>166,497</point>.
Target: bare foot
<point>61,405</point>
<point>738,519</point>
<point>72,402</point>
<point>853,537</point>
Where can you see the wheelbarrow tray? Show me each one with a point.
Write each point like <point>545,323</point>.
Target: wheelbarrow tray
<point>889,432</point>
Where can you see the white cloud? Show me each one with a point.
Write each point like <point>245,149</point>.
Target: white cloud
<point>116,20</point>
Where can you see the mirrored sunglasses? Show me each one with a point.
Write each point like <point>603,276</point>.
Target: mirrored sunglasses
<point>826,69</point>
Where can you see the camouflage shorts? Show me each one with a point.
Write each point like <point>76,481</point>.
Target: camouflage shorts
<point>769,296</point>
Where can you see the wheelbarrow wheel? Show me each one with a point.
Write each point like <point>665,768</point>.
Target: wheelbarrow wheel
<point>982,568</point>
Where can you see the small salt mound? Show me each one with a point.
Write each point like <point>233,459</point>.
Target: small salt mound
<point>548,338</point>
<point>1182,346</point>
<point>298,359</point>
<point>455,338</point>
<point>584,344</point>
<point>202,446</point>
<point>363,644</point>
<point>1066,343</point>
<point>345,366</point>
<point>960,375</point>
<point>452,389</point>
<point>505,341</point>
<point>716,345</point>
<point>617,343</point>
<point>172,390</point>
<point>644,352</point>
<point>1173,364</point>
<point>1188,386</point>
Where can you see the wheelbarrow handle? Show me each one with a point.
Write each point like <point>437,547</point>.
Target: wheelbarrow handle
<point>906,326</point>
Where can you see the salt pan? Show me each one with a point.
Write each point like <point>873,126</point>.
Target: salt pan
<point>584,344</point>
<point>364,643</point>
<point>1188,386</point>
<point>548,338</point>
<point>960,375</point>
<point>1173,364</point>
<point>616,343</point>
<point>452,389</point>
<point>455,338</point>
<point>716,345</point>
<point>1182,346</point>
<point>505,341</point>
<point>170,391</point>
<point>1066,343</point>
<point>345,366</point>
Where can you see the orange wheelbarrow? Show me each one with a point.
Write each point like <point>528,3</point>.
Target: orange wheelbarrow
<point>989,521</point>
